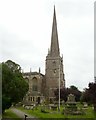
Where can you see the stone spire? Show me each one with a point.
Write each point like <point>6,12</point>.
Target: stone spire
<point>54,63</point>
<point>54,50</point>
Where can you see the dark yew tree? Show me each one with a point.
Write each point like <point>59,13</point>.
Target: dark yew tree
<point>65,91</point>
<point>14,86</point>
<point>63,94</point>
<point>89,95</point>
<point>74,90</point>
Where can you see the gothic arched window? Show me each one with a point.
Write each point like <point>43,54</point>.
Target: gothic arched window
<point>34,84</point>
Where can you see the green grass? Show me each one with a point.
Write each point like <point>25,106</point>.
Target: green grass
<point>89,113</point>
<point>9,114</point>
<point>37,113</point>
<point>54,114</point>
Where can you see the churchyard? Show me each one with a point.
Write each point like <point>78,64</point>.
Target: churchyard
<point>9,114</point>
<point>68,109</point>
<point>45,112</point>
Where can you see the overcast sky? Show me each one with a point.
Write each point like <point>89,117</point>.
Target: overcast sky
<point>25,36</point>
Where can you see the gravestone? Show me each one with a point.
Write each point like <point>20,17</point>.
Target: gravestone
<point>71,98</point>
<point>71,107</point>
<point>71,104</point>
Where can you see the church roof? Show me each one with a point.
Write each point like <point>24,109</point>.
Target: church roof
<point>32,73</point>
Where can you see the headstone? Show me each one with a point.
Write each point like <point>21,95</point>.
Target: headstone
<point>85,105</point>
<point>71,107</point>
<point>71,98</point>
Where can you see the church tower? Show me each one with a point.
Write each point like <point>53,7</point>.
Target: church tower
<point>54,63</point>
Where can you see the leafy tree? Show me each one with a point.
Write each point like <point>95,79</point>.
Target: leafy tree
<point>89,95</point>
<point>63,94</point>
<point>65,91</point>
<point>14,86</point>
<point>74,90</point>
<point>13,66</point>
<point>73,87</point>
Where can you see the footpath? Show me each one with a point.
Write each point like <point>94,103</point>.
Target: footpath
<point>22,114</point>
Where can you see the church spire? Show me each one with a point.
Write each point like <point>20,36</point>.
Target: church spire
<point>54,50</point>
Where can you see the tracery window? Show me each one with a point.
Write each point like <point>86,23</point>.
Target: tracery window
<point>34,84</point>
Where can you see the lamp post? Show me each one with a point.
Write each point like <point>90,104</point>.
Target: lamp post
<point>59,90</point>
<point>26,117</point>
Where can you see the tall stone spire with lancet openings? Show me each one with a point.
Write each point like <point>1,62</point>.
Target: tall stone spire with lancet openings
<point>54,49</point>
<point>54,64</point>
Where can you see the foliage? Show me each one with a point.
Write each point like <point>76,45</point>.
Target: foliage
<point>6,102</point>
<point>89,95</point>
<point>13,66</point>
<point>74,90</point>
<point>65,91</point>
<point>14,86</point>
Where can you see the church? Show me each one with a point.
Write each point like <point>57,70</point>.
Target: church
<point>42,86</point>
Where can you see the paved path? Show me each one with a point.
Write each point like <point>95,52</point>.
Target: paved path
<point>20,113</point>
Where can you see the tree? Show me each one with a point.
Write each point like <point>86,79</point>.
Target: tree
<point>14,86</point>
<point>63,94</point>
<point>89,95</point>
<point>65,91</point>
<point>74,90</point>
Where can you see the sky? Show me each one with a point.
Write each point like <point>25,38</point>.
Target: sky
<point>25,36</point>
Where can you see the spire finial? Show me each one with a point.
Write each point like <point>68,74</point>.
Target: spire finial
<point>54,6</point>
<point>54,12</point>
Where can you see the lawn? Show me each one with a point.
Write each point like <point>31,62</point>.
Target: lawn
<point>89,113</point>
<point>9,114</point>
